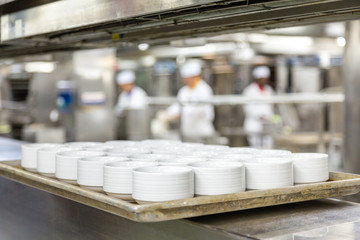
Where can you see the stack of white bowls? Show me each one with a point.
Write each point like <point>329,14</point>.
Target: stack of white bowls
<point>266,173</point>
<point>90,171</point>
<point>29,154</point>
<point>310,167</point>
<point>185,168</point>
<point>121,143</point>
<point>46,160</point>
<point>147,157</point>
<point>242,150</point>
<point>127,151</point>
<point>271,153</point>
<point>213,178</point>
<point>225,157</point>
<point>118,178</point>
<point>66,164</point>
<point>181,160</point>
<point>162,183</point>
<point>82,144</point>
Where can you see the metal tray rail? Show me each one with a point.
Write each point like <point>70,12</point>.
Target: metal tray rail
<point>340,184</point>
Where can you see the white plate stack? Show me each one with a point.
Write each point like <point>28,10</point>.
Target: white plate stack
<point>90,171</point>
<point>162,183</point>
<point>310,167</point>
<point>46,161</point>
<point>118,178</point>
<point>66,164</point>
<point>266,173</point>
<point>148,157</point>
<point>213,178</point>
<point>29,154</point>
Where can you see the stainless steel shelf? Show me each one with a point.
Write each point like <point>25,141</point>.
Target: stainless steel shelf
<point>91,23</point>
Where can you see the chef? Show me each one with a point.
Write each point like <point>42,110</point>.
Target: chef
<point>196,119</point>
<point>131,96</point>
<point>257,114</point>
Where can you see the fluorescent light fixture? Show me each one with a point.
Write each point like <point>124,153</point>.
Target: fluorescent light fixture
<point>143,46</point>
<point>42,67</point>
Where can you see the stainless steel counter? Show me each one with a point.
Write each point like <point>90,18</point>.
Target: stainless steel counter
<point>29,213</point>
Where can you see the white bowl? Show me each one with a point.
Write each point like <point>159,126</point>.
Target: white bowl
<point>66,164</point>
<point>118,178</point>
<point>272,153</point>
<point>214,178</point>
<point>90,171</point>
<point>97,148</point>
<point>266,173</point>
<point>162,183</point>
<point>127,151</point>
<point>29,154</point>
<point>231,157</point>
<point>310,167</point>
<point>215,148</point>
<point>242,150</point>
<point>46,160</point>
<point>170,150</point>
<point>180,161</point>
<point>83,144</point>
<point>159,142</point>
<point>121,143</point>
<point>150,157</point>
<point>200,153</point>
<point>192,144</point>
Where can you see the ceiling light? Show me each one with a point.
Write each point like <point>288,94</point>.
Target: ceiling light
<point>341,41</point>
<point>143,46</point>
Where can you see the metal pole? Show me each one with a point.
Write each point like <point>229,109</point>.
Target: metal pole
<point>351,76</point>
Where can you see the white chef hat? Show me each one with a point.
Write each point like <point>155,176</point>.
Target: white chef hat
<point>261,72</point>
<point>190,69</point>
<point>125,77</point>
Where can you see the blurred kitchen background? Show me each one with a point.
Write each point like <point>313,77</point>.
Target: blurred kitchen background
<point>68,93</point>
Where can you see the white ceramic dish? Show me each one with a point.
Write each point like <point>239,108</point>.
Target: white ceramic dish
<point>29,154</point>
<point>272,153</point>
<point>266,173</point>
<point>242,150</point>
<point>214,178</point>
<point>150,157</point>
<point>310,167</point>
<point>46,160</point>
<point>215,148</point>
<point>231,157</point>
<point>97,148</point>
<point>83,144</point>
<point>118,178</point>
<point>66,164</point>
<point>162,183</point>
<point>127,151</point>
<point>90,171</point>
<point>121,143</point>
<point>180,161</point>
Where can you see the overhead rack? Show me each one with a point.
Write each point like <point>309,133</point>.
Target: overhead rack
<point>69,25</point>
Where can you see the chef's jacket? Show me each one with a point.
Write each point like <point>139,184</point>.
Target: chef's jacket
<point>196,119</point>
<point>254,112</point>
<point>135,99</point>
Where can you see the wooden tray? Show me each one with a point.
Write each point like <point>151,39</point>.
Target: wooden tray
<point>340,184</point>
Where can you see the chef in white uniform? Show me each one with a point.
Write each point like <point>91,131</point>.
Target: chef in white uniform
<point>196,119</point>
<point>256,114</point>
<point>131,96</point>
